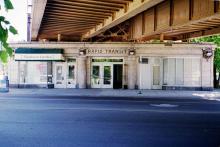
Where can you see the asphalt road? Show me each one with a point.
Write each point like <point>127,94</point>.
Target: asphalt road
<point>91,122</point>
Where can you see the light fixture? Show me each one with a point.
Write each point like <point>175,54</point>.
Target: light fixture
<point>82,51</point>
<point>131,52</point>
<point>207,52</point>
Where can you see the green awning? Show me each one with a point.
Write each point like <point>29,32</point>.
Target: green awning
<point>38,51</point>
<point>39,54</point>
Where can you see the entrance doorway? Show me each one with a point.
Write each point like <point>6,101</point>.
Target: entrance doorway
<point>117,76</point>
<point>150,73</point>
<point>107,73</point>
<point>65,74</point>
<point>102,75</point>
<point>71,73</point>
<point>60,78</point>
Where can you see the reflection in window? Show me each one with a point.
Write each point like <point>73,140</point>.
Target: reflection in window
<point>71,74</point>
<point>95,74</point>
<point>107,75</point>
<point>59,73</point>
<point>23,72</point>
<point>33,72</point>
<point>42,67</point>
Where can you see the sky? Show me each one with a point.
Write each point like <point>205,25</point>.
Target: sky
<point>18,18</point>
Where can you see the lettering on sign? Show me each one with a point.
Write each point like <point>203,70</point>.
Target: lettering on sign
<point>106,51</point>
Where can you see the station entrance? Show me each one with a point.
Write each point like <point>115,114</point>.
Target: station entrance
<point>107,73</point>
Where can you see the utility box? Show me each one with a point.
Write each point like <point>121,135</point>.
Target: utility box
<point>4,84</point>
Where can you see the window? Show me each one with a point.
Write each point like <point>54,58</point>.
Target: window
<point>36,72</point>
<point>173,71</point>
<point>179,72</point>
<point>71,72</point>
<point>95,74</point>
<point>107,75</point>
<point>23,72</point>
<point>156,75</point>
<point>143,60</point>
<point>165,71</point>
<point>107,60</point>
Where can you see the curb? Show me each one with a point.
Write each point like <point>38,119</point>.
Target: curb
<point>104,97</point>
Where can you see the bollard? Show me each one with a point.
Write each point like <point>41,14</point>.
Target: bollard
<point>4,84</point>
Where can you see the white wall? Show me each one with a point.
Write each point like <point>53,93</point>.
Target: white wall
<point>197,70</point>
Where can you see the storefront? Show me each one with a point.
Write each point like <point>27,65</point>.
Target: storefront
<point>112,65</point>
<point>35,66</point>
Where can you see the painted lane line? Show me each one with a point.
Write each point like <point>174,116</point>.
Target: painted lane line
<point>164,105</point>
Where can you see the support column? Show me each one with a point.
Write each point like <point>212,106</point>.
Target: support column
<point>88,62</point>
<point>59,37</point>
<point>82,72</point>
<point>207,74</point>
<point>132,72</point>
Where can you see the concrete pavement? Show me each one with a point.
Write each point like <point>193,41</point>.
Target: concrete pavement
<point>210,95</point>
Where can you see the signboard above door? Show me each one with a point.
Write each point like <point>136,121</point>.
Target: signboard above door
<point>106,52</point>
<point>34,54</point>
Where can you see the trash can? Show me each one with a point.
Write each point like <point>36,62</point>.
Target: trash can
<point>4,84</point>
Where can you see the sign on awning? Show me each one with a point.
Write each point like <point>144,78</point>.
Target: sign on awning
<point>35,54</point>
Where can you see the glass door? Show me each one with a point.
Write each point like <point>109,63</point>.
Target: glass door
<point>71,76</point>
<point>96,76</point>
<point>107,76</point>
<point>60,80</point>
<point>102,75</point>
<point>156,74</point>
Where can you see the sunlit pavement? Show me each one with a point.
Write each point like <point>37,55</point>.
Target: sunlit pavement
<point>64,121</point>
<point>208,95</point>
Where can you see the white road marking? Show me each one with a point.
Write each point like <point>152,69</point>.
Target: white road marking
<point>164,105</point>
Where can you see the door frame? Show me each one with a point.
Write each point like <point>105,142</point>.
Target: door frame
<point>121,86</point>
<point>102,69</point>
<point>160,64</point>
<point>73,84</point>
<point>111,75</point>
<point>63,64</point>
<point>101,75</point>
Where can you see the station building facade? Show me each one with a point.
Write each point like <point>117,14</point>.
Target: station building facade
<point>168,66</point>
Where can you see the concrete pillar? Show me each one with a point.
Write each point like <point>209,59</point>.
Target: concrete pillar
<point>88,62</point>
<point>207,74</point>
<point>59,37</point>
<point>82,72</point>
<point>132,72</point>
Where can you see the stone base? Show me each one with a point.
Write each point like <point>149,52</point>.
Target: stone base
<point>187,88</point>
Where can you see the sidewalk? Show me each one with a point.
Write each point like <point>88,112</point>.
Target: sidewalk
<point>211,95</point>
